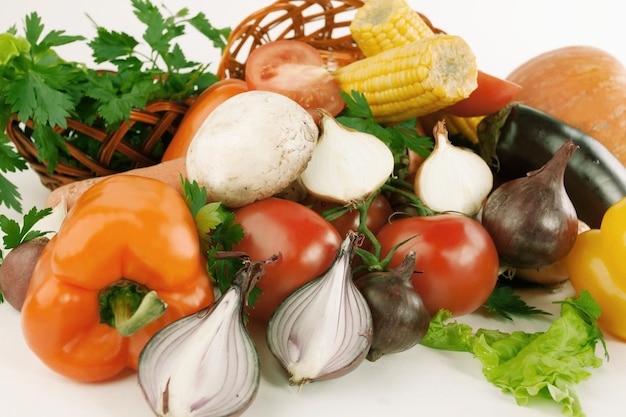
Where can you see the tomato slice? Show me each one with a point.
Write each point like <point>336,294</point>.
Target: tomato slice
<point>491,95</point>
<point>199,110</point>
<point>296,70</point>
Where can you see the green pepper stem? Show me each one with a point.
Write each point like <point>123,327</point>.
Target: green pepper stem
<point>127,307</point>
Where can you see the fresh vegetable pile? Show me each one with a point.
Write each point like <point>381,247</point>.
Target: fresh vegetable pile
<point>333,219</point>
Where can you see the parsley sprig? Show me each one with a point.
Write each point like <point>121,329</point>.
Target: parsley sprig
<point>16,234</point>
<point>505,303</point>
<point>43,89</point>
<point>219,232</point>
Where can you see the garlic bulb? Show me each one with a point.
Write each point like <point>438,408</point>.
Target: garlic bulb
<point>324,329</point>
<point>205,364</point>
<point>347,166</point>
<point>452,178</point>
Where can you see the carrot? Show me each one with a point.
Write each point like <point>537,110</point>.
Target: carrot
<point>582,86</point>
<point>202,106</point>
<point>168,172</point>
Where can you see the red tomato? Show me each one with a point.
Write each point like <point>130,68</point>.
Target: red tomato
<point>308,244</point>
<point>491,95</point>
<point>296,70</point>
<point>201,107</point>
<point>456,263</point>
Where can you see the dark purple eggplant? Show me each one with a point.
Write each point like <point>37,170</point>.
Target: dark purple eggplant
<point>520,139</point>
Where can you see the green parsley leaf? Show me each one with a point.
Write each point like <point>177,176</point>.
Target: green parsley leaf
<point>195,196</point>
<point>109,46</point>
<point>9,194</point>
<point>223,237</point>
<point>219,37</point>
<point>116,107</point>
<point>14,234</point>
<point>504,302</point>
<point>32,98</point>
<point>218,232</point>
<point>357,105</point>
<point>48,142</point>
<point>10,161</point>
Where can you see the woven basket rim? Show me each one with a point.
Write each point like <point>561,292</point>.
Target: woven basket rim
<point>160,115</point>
<point>294,19</point>
<point>270,23</point>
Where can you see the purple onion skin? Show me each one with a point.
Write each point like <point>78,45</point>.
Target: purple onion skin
<point>532,220</point>
<point>400,318</point>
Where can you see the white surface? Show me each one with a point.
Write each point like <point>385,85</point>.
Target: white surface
<point>418,382</point>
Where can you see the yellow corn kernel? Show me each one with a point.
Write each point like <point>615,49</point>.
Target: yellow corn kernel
<point>379,25</point>
<point>466,126</point>
<point>414,79</point>
<point>456,125</point>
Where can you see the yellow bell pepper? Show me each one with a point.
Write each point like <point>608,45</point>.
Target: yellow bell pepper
<point>597,263</point>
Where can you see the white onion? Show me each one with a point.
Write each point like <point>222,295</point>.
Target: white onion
<point>347,166</point>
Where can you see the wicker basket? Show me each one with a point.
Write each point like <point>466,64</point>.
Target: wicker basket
<point>160,119</point>
<point>324,24</point>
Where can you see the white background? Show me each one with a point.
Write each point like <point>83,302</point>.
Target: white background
<point>503,35</point>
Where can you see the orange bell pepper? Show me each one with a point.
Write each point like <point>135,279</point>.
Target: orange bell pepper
<point>125,263</point>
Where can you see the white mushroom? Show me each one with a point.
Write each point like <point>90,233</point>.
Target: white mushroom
<point>251,147</point>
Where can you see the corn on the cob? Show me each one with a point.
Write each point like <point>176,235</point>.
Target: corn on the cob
<point>379,25</point>
<point>414,79</point>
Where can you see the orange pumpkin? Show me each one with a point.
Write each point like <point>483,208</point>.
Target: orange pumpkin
<point>582,86</point>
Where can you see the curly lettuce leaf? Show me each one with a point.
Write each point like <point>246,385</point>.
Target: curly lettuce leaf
<point>544,364</point>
